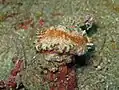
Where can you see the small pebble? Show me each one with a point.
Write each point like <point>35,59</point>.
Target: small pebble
<point>98,68</point>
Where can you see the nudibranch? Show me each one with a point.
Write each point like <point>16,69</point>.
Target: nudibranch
<point>59,45</point>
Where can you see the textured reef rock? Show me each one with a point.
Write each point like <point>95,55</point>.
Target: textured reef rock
<point>14,79</point>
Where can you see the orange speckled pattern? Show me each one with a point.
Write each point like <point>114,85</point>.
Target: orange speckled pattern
<point>78,39</point>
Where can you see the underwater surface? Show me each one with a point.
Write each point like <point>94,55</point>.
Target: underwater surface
<point>20,20</point>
